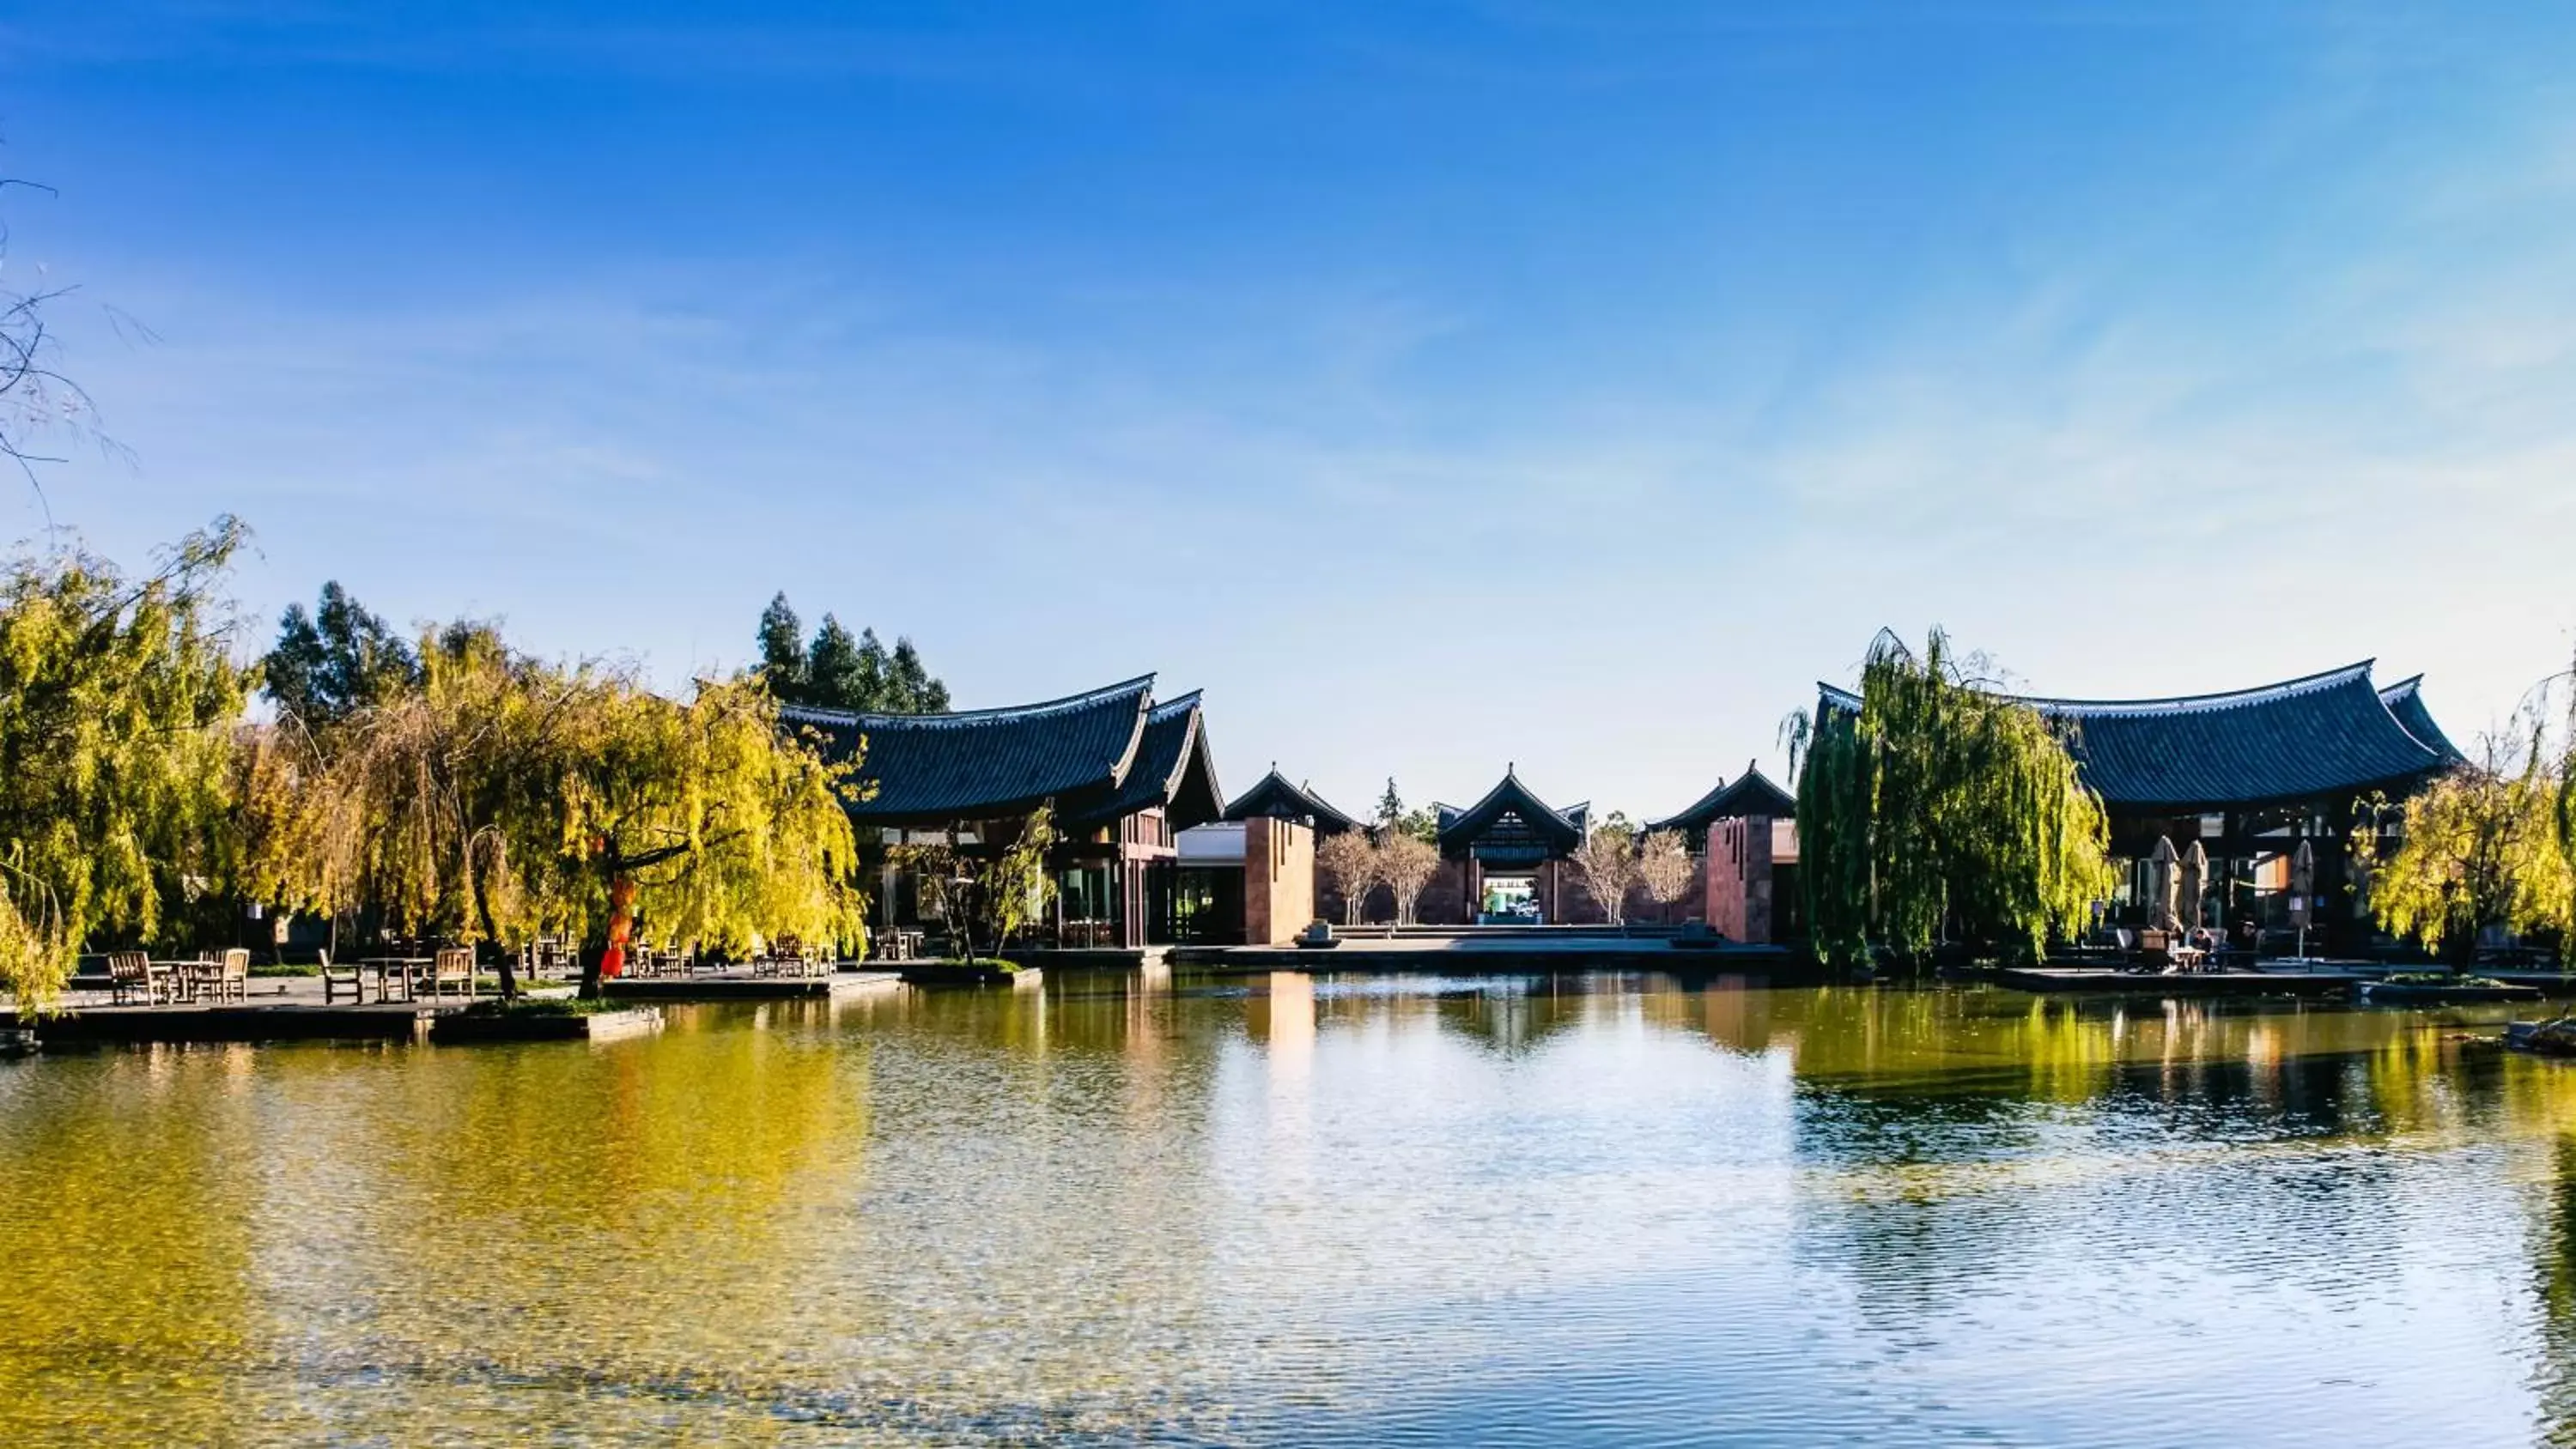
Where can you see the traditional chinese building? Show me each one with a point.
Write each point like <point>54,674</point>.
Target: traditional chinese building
<point>1503,859</point>
<point>1276,798</point>
<point>1744,836</point>
<point>1121,772</point>
<point>2252,775</point>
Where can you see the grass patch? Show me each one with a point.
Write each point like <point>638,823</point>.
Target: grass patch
<point>980,963</point>
<point>541,1006</point>
<point>270,972</point>
<point>2436,978</point>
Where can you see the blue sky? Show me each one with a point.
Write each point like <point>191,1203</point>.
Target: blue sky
<point>1436,385</point>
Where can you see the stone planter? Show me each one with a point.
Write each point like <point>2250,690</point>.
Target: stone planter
<point>461,1028</point>
<point>958,973</point>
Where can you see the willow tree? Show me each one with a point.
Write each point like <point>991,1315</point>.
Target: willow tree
<point>705,818</point>
<point>1941,809</point>
<point>1017,886</point>
<point>2482,845</point>
<point>118,698</point>
<point>507,796</point>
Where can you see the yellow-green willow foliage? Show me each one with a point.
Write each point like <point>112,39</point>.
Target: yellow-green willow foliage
<point>1018,885</point>
<point>2480,846</point>
<point>118,698</point>
<point>1939,808</point>
<point>507,796</point>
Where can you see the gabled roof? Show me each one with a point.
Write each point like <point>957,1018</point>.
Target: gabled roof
<point>931,769</point>
<point>1751,793</point>
<point>2405,699</point>
<point>1277,798</point>
<point>1561,830</point>
<point>2317,735</point>
<point>1173,770</point>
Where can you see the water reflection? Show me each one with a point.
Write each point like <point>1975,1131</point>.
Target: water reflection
<point>1313,1210</point>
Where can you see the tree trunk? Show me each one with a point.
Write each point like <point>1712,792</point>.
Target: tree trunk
<point>483,913</point>
<point>621,922</point>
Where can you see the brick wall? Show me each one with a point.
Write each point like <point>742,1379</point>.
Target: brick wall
<point>1278,880</point>
<point>1738,872</point>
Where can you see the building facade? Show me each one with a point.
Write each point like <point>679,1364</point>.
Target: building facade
<point>1123,774</point>
<point>1743,836</point>
<point>2271,782</point>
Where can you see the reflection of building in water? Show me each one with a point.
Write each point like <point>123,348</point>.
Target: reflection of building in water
<point>1737,1018</point>
<point>1290,1020</point>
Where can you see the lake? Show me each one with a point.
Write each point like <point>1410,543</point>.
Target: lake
<point>1329,1211</point>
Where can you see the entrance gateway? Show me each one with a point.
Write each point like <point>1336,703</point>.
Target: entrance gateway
<point>1510,849</point>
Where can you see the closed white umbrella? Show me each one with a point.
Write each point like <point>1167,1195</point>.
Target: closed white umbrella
<point>2195,883</point>
<point>2160,885</point>
<point>2303,890</point>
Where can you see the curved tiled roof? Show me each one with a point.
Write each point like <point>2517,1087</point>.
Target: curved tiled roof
<point>2405,699</point>
<point>1561,829</point>
<point>2318,735</point>
<point>930,769</point>
<point>1277,798</point>
<point>1172,770</point>
<point>1752,793</point>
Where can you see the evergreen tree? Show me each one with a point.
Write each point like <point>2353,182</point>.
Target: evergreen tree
<point>782,650</point>
<point>839,671</point>
<point>1390,806</point>
<point>335,661</point>
<point>835,670</point>
<point>876,676</point>
<point>911,689</point>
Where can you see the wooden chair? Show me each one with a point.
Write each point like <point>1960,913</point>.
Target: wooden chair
<point>779,958</point>
<point>349,974</point>
<point>452,966</point>
<point>222,975</point>
<point>2155,951</point>
<point>131,974</point>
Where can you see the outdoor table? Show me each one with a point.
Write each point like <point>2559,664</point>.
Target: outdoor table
<point>408,968</point>
<point>182,976</point>
<point>2188,958</point>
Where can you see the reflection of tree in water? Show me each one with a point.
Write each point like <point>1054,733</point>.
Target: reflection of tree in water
<point>1514,1023</point>
<point>1937,1159</point>
<point>135,1196</point>
<point>2554,1377</point>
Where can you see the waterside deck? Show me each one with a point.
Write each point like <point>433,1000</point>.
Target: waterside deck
<point>291,1008</point>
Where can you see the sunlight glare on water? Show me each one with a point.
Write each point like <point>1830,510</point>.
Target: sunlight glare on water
<point>1363,1210</point>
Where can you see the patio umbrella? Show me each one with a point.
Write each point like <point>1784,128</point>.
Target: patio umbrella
<point>2160,886</point>
<point>2195,881</point>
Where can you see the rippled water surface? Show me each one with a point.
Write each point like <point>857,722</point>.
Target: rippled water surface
<point>1345,1211</point>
